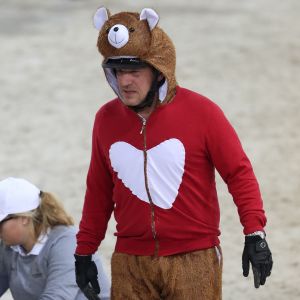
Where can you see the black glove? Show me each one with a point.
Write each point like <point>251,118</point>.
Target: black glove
<point>87,276</point>
<point>257,252</point>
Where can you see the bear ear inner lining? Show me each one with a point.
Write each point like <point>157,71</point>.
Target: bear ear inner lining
<point>100,17</point>
<point>150,16</point>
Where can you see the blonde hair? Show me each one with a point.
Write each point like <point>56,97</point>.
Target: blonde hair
<point>48,214</point>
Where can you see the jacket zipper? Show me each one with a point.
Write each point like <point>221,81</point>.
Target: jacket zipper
<point>154,233</point>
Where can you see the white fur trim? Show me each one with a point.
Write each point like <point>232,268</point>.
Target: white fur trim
<point>259,233</point>
<point>163,90</point>
<point>122,56</point>
<point>219,255</point>
<point>100,17</point>
<point>151,16</point>
<point>112,80</point>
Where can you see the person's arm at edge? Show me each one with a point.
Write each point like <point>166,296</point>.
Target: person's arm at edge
<point>4,283</point>
<point>60,269</point>
<point>98,204</point>
<point>229,158</point>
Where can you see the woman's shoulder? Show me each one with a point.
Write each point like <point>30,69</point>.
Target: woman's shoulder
<point>62,236</point>
<point>60,230</point>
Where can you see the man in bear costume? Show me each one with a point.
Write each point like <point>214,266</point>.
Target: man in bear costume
<point>154,153</point>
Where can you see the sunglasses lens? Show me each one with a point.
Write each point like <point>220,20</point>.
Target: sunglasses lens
<point>6,219</point>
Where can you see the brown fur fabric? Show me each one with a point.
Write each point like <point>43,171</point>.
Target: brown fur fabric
<point>190,276</point>
<point>154,47</point>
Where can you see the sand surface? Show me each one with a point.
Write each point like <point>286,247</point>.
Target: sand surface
<point>243,54</point>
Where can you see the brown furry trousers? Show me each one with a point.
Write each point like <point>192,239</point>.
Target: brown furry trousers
<point>189,276</point>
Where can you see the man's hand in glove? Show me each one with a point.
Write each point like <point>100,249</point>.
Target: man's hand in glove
<point>257,252</point>
<point>87,276</point>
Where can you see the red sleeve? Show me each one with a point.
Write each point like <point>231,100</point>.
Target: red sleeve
<point>233,165</point>
<point>98,204</point>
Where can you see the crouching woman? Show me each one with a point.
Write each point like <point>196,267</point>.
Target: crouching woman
<point>37,242</point>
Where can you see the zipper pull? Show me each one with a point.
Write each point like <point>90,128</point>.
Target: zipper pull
<point>143,126</point>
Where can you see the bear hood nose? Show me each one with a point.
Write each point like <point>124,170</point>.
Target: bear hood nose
<point>118,36</point>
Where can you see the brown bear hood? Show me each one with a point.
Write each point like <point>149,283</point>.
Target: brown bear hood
<point>128,34</point>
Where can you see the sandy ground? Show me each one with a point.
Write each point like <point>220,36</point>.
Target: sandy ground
<point>243,54</point>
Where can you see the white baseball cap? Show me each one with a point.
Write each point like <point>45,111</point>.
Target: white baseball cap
<point>17,195</point>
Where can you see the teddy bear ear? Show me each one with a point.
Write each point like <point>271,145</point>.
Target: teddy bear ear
<point>151,16</point>
<point>100,17</point>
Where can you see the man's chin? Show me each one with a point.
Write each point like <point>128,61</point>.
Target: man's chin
<point>130,101</point>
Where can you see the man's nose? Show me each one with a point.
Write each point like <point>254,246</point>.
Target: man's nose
<point>125,79</point>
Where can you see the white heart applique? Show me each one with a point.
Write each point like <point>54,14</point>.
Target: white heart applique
<point>165,167</point>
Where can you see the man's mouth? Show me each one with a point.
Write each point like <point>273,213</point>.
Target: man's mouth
<point>128,92</point>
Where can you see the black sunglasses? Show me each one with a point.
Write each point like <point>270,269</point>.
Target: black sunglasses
<point>6,219</point>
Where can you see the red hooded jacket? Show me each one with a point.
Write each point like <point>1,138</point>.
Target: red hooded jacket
<point>158,176</point>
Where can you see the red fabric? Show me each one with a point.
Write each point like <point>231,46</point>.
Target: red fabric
<point>193,222</point>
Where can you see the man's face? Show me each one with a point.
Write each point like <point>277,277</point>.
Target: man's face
<point>134,84</point>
